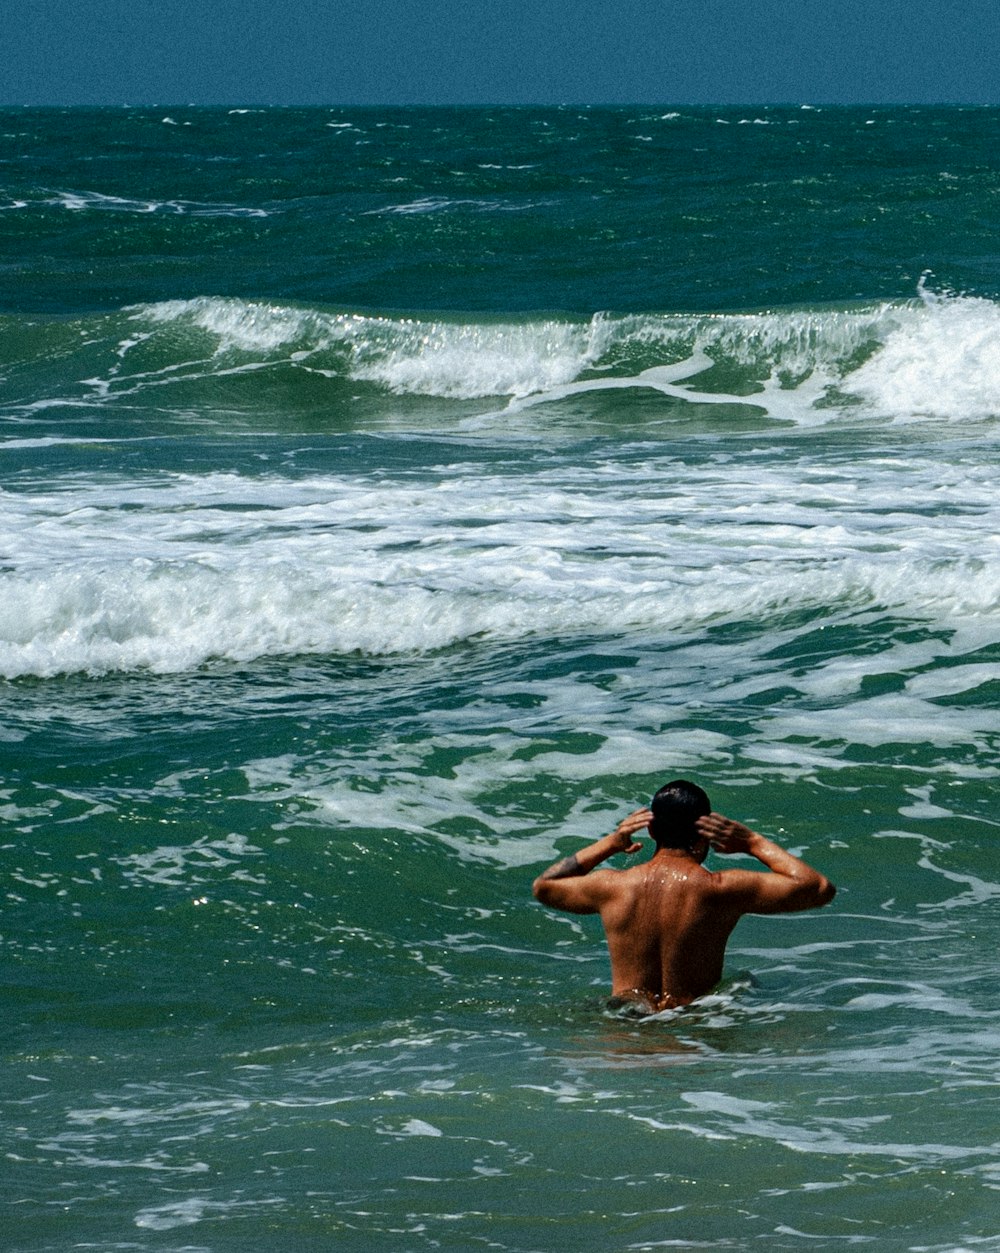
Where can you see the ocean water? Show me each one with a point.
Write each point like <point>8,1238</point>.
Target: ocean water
<point>391,500</point>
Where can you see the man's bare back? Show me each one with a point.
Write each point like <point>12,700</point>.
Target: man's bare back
<point>667,920</point>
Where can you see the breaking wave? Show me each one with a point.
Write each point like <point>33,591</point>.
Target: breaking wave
<point>935,357</point>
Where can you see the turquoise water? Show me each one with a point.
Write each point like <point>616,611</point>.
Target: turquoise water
<point>392,499</point>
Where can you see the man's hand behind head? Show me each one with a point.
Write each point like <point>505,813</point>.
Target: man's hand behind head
<point>726,835</point>
<point>627,828</point>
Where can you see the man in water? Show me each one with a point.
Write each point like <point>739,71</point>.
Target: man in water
<point>667,920</point>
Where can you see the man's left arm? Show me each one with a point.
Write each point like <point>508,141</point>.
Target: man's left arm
<point>790,886</point>
<point>566,885</point>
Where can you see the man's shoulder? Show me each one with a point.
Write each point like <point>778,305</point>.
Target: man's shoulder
<point>725,886</point>
<point>731,880</point>
<point>611,884</point>
<point>611,878</point>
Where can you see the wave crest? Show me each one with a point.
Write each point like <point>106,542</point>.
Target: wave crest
<point>935,357</point>
<point>938,356</point>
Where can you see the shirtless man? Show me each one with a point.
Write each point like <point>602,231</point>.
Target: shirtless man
<point>667,920</point>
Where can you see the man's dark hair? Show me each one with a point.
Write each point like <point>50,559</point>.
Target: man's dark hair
<point>676,807</point>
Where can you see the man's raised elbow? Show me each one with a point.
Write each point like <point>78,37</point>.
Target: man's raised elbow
<point>825,891</point>
<point>540,889</point>
<point>811,893</point>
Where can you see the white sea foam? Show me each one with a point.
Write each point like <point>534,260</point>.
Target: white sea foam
<point>194,1209</point>
<point>78,201</point>
<point>942,363</point>
<point>441,204</point>
<point>236,325</point>
<point>192,864</point>
<point>173,572</point>
<point>829,1135</point>
<point>465,362</point>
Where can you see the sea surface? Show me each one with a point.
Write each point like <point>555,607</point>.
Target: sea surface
<point>391,500</point>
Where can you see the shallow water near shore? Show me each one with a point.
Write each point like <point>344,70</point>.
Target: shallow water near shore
<point>392,500</point>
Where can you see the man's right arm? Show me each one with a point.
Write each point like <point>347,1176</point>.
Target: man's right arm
<point>792,884</point>
<point>569,885</point>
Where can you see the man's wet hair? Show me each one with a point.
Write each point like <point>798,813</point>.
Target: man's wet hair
<point>676,807</point>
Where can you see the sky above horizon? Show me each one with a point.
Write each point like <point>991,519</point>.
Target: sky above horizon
<point>370,52</point>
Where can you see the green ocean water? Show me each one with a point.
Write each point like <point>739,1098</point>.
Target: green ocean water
<point>392,500</point>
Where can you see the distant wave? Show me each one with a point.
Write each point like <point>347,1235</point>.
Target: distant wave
<point>935,357</point>
<point>79,201</point>
<point>459,359</point>
<point>439,204</point>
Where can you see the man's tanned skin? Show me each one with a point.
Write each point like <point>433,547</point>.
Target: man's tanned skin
<point>667,920</point>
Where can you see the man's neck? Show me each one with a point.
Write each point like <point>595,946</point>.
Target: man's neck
<point>675,854</point>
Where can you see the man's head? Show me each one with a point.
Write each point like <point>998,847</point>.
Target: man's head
<point>676,807</point>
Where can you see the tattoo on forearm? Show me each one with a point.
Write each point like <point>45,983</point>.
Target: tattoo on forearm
<point>563,869</point>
